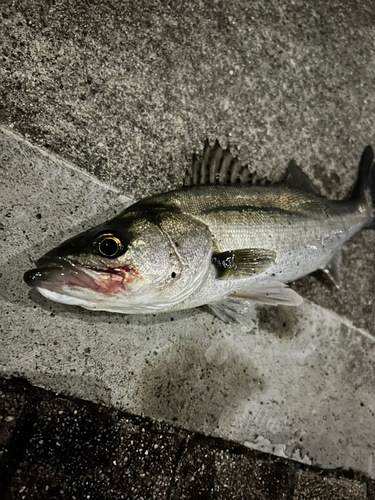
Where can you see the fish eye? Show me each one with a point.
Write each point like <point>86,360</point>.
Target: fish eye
<point>108,245</point>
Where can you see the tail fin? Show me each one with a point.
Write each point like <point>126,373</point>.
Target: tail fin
<point>365,185</point>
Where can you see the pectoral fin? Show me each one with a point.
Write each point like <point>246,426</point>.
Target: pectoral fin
<point>243,262</point>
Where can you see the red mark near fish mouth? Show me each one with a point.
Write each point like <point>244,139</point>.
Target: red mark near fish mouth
<point>111,280</point>
<point>53,275</point>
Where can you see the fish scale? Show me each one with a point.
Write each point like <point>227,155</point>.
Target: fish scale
<point>305,230</point>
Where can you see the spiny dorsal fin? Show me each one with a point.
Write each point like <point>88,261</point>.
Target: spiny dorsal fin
<point>219,166</point>
<point>295,178</point>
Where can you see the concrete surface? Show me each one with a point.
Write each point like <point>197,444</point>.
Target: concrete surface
<point>53,447</point>
<point>128,90</point>
<point>301,385</point>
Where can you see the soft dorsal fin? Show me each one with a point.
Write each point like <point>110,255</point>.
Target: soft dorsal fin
<point>219,166</point>
<point>295,178</point>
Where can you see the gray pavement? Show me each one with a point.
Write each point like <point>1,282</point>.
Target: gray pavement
<point>296,386</point>
<point>127,91</point>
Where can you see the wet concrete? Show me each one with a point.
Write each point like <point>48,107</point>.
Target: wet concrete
<point>297,385</point>
<point>127,92</point>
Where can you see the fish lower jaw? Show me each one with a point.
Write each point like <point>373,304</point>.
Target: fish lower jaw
<point>105,304</point>
<point>65,299</point>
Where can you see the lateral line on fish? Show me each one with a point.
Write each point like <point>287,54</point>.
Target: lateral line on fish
<point>241,208</point>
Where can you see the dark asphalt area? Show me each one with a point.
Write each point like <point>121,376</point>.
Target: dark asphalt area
<point>52,447</point>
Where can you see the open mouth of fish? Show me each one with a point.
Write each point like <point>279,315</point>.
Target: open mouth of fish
<point>53,275</point>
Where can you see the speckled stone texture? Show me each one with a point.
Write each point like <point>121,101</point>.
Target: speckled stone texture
<point>58,448</point>
<point>63,449</point>
<point>128,90</point>
<point>297,385</point>
<point>312,486</point>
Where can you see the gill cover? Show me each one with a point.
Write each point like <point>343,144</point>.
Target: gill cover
<point>147,259</point>
<point>177,261</point>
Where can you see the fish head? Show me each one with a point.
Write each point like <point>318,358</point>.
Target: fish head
<point>130,264</point>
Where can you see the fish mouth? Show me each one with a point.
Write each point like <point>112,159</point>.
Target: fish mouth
<point>53,274</point>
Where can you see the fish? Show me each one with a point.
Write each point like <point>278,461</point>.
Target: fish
<point>226,239</point>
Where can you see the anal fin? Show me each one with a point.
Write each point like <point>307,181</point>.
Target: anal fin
<point>332,269</point>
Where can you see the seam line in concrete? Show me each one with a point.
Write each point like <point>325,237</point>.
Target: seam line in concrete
<point>182,448</point>
<point>56,157</point>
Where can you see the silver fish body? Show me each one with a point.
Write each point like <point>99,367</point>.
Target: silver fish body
<point>205,243</point>
<point>304,230</point>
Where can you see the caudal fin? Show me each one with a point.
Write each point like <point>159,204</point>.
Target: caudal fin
<point>365,185</point>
